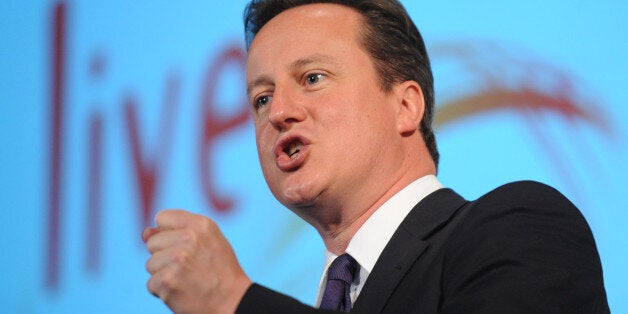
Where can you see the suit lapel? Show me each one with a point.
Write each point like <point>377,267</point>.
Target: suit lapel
<point>405,247</point>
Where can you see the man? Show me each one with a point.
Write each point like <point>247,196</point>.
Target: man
<point>342,102</point>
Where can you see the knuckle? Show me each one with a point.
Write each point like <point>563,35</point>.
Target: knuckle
<point>188,236</point>
<point>152,265</point>
<point>156,287</point>
<point>207,224</point>
<point>165,281</point>
<point>149,265</point>
<point>181,257</point>
<point>151,246</point>
<point>160,216</point>
<point>151,285</point>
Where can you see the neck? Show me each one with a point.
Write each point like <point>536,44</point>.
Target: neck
<point>338,213</point>
<point>336,233</point>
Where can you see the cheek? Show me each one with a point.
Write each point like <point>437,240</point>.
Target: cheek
<point>261,133</point>
<point>357,113</point>
<point>263,142</point>
<point>265,160</point>
<point>367,123</point>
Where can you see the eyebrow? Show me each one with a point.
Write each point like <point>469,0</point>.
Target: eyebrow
<point>299,63</point>
<point>261,80</point>
<point>322,58</point>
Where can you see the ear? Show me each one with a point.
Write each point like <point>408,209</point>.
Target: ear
<point>411,107</point>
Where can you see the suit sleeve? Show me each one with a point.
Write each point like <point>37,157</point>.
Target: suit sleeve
<point>524,249</point>
<point>261,300</point>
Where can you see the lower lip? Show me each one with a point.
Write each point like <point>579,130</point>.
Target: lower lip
<point>285,163</point>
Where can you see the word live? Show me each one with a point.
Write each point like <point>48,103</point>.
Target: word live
<point>147,171</point>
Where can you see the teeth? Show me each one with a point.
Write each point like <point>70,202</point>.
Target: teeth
<point>294,148</point>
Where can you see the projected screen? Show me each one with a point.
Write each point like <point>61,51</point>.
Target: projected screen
<point>113,110</point>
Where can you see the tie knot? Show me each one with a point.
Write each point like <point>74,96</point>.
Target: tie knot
<point>342,268</point>
<point>337,294</point>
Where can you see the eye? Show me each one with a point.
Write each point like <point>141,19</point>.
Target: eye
<point>314,78</point>
<point>262,101</point>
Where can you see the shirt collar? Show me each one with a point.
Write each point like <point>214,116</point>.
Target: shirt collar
<point>369,241</point>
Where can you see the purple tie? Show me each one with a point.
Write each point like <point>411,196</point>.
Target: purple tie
<point>339,278</point>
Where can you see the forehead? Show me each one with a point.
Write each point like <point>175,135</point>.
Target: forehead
<point>307,29</point>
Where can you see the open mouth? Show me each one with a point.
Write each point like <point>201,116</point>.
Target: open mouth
<point>291,152</point>
<point>293,149</point>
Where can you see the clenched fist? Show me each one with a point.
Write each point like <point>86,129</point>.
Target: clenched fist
<point>193,268</point>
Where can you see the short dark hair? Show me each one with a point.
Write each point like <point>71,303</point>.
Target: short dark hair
<point>389,35</point>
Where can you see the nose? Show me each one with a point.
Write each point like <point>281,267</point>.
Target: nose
<point>285,110</point>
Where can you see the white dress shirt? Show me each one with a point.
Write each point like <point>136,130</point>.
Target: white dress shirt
<point>369,242</point>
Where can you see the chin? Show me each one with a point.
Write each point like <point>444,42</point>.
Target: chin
<point>298,197</point>
<point>297,189</point>
<point>294,202</point>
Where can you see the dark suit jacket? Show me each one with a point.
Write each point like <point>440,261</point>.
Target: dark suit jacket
<point>522,248</point>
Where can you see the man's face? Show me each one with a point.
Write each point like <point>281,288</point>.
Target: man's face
<point>323,125</point>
